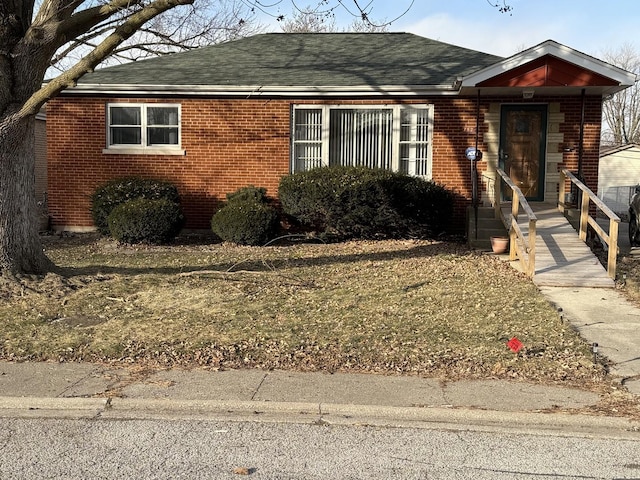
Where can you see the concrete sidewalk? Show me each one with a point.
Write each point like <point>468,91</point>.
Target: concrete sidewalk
<point>601,315</point>
<point>604,317</point>
<point>81,390</point>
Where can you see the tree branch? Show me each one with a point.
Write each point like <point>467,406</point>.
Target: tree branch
<point>99,53</point>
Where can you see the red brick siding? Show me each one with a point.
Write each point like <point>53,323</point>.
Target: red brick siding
<point>41,159</point>
<point>571,107</point>
<point>232,143</point>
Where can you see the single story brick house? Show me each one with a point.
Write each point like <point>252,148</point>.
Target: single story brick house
<point>249,111</point>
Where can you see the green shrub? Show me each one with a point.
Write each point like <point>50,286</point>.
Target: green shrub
<point>246,222</point>
<point>425,203</point>
<point>248,193</point>
<point>359,202</point>
<point>144,220</point>
<point>115,192</point>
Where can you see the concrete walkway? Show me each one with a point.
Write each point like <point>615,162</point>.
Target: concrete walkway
<point>94,391</point>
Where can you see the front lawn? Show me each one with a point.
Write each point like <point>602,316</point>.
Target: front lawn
<point>415,307</point>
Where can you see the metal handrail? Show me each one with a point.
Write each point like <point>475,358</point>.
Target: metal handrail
<point>611,238</point>
<point>518,248</point>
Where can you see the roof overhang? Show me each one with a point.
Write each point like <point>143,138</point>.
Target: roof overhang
<point>548,68</point>
<point>617,149</point>
<point>249,91</point>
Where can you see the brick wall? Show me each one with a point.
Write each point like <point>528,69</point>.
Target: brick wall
<point>41,159</point>
<point>232,143</point>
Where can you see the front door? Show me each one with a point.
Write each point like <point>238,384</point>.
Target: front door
<point>522,148</point>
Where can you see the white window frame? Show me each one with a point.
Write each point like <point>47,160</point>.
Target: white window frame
<point>143,148</point>
<point>395,139</point>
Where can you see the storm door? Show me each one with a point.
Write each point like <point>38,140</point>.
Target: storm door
<point>522,148</point>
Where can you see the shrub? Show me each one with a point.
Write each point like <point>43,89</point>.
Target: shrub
<point>115,192</point>
<point>423,202</point>
<point>246,218</point>
<point>248,193</point>
<point>365,203</point>
<point>246,222</point>
<point>144,220</point>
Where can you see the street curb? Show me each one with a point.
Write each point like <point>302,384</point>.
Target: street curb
<point>455,419</point>
<point>52,407</point>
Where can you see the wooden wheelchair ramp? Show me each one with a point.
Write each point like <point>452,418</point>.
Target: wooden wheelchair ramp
<point>562,259</point>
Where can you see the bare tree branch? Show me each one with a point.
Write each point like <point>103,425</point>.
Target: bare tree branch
<point>88,63</point>
<point>621,111</point>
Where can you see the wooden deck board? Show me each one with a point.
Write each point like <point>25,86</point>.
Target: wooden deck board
<point>562,259</point>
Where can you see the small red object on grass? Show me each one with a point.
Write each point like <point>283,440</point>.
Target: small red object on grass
<point>515,345</point>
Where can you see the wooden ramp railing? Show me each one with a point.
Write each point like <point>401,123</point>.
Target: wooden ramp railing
<point>520,248</point>
<point>611,238</point>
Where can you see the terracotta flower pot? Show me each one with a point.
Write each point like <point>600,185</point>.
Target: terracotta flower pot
<point>499,244</point>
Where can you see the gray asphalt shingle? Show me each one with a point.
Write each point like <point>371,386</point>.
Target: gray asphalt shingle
<point>307,59</point>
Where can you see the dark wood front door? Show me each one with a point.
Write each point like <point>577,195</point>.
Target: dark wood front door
<point>522,148</point>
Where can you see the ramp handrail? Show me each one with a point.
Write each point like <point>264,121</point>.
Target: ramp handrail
<point>611,238</point>
<point>520,248</point>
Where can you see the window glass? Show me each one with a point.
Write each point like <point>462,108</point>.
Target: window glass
<point>389,137</point>
<point>162,136</point>
<point>125,136</point>
<point>162,115</point>
<point>144,125</point>
<point>126,116</point>
<point>307,144</point>
<point>414,142</point>
<point>361,137</point>
<point>308,125</point>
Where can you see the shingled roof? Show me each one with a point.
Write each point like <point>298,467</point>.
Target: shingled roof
<point>303,60</point>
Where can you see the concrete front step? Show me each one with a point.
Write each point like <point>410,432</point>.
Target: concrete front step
<point>479,233</point>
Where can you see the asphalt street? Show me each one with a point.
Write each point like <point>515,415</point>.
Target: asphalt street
<point>211,449</point>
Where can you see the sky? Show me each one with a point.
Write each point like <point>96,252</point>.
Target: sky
<point>589,26</point>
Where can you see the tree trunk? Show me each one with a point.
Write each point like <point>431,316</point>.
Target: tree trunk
<point>20,247</point>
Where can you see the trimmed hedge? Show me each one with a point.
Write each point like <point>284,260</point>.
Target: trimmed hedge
<point>359,202</point>
<point>246,218</point>
<point>115,192</point>
<point>247,194</point>
<point>144,220</point>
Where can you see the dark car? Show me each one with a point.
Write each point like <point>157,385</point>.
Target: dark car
<point>634,218</point>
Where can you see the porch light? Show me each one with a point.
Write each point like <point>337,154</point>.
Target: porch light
<point>527,94</point>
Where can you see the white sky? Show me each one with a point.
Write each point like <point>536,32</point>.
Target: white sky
<point>590,26</point>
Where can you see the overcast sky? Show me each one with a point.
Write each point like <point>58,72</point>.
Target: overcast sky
<point>589,26</point>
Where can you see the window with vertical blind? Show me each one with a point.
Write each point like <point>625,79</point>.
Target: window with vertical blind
<point>396,137</point>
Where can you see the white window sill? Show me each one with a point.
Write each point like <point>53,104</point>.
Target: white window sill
<point>144,151</point>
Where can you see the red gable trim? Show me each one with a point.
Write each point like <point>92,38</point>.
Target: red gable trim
<point>548,71</point>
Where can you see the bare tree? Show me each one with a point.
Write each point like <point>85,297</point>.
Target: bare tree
<point>308,20</point>
<point>321,20</point>
<point>621,111</point>
<point>214,21</point>
<point>36,33</point>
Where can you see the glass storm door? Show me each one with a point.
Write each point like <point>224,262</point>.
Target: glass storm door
<point>522,148</point>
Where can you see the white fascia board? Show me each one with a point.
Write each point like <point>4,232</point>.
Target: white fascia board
<point>550,47</point>
<point>259,90</point>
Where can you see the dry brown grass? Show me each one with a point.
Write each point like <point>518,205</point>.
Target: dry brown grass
<point>419,307</point>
